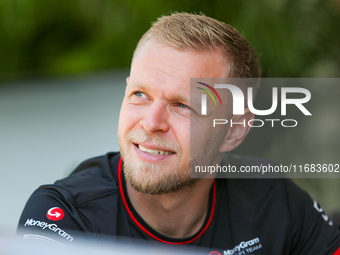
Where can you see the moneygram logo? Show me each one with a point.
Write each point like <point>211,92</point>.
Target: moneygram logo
<point>239,104</point>
<point>245,247</point>
<point>55,213</point>
<point>44,225</point>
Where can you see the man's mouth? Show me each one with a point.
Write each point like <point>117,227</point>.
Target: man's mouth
<point>153,152</point>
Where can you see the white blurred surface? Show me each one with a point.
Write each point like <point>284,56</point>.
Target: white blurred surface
<point>16,246</point>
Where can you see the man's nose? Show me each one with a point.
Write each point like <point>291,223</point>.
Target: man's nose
<point>155,119</point>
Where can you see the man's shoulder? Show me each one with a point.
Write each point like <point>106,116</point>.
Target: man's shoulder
<point>97,169</point>
<point>92,178</point>
<point>279,194</point>
<point>256,186</point>
<point>277,211</point>
<point>78,202</point>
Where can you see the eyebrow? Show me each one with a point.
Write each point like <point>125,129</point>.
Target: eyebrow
<point>138,85</point>
<point>183,99</point>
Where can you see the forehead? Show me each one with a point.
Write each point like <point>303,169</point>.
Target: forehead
<point>163,65</point>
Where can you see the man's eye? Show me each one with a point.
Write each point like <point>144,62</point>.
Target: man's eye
<point>140,94</point>
<point>183,106</point>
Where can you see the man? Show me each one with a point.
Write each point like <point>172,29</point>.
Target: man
<point>146,191</point>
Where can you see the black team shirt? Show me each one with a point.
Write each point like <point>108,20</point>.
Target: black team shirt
<point>245,216</point>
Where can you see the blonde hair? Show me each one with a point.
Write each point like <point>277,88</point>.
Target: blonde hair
<point>187,31</point>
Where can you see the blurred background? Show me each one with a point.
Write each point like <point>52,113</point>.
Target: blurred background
<point>62,78</point>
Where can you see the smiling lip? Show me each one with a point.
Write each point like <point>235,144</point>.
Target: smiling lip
<point>152,153</point>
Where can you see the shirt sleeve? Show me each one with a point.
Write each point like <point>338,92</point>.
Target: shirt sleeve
<point>48,216</point>
<point>313,231</point>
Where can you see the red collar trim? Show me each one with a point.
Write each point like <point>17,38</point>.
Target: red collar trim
<point>337,252</point>
<point>142,228</point>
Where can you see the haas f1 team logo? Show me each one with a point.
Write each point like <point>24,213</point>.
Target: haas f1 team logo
<point>55,213</point>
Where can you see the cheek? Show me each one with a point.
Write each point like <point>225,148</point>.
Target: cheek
<point>129,117</point>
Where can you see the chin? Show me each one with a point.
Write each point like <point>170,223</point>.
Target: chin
<point>156,179</point>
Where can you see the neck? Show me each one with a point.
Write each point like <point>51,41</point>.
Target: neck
<point>178,214</point>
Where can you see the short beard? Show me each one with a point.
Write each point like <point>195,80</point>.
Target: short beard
<point>154,178</point>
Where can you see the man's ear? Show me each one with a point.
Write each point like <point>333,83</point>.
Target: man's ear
<point>237,132</point>
<point>127,80</point>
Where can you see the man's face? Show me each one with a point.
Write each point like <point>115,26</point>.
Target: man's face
<point>154,123</point>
